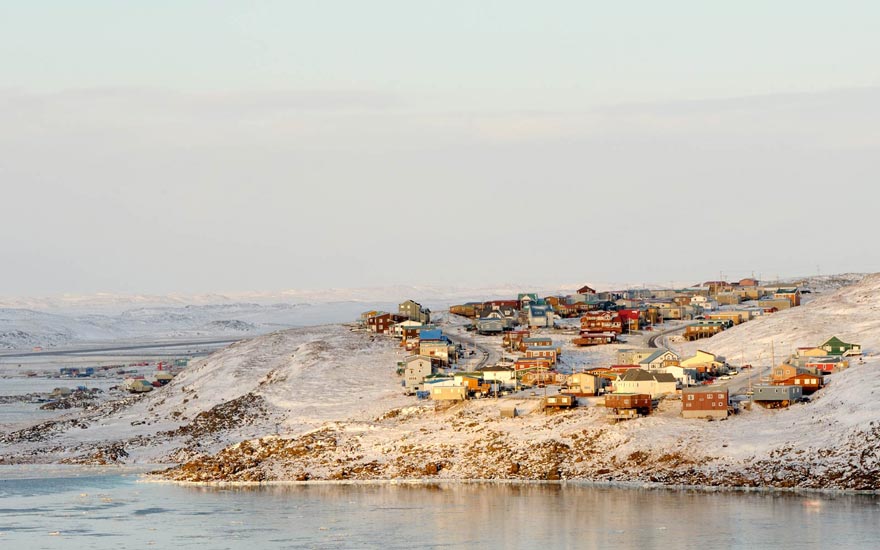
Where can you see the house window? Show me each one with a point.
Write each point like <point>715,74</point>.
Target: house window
<point>690,398</point>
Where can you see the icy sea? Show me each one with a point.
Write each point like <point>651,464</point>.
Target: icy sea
<point>74,508</point>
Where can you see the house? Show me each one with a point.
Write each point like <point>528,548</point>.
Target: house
<point>381,324</point>
<point>469,381</point>
<point>491,324</point>
<point>728,298</point>
<point>503,375</point>
<point>736,316</point>
<point>438,349</point>
<point>398,329</point>
<point>703,302</point>
<point>778,304</point>
<point>641,381</point>
<point>582,383</point>
<point>717,286</point>
<point>659,359</point>
<point>537,342</point>
<point>704,329</point>
<point>500,304</point>
<point>445,390</point>
<point>836,346</point>
<point>584,290</point>
<point>747,282</point>
<point>560,401</point>
<point>703,359</point>
<point>602,321</point>
<point>632,356</point>
<point>513,339</point>
<point>623,406</point>
<point>684,376</point>
<point>524,364</point>
<point>533,378</point>
<point>414,311</point>
<point>826,365</point>
<point>540,316</point>
<point>594,339</point>
<point>367,314</point>
<point>702,403</point>
<point>632,319</point>
<point>783,372</point>
<point>526,298</point>
<point>540,351</point>
<point>776,396</point>
<point>466,310</point>
<point>793,295</point>
<point>416,369</point>
<point>811,352</point>
<point>810,383</point>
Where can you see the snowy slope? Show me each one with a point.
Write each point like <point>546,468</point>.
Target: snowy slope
<point>292,380</point>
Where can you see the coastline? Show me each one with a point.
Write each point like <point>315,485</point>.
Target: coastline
<point>420,482</point>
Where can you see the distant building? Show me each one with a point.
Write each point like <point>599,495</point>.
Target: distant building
<point>414,311</point>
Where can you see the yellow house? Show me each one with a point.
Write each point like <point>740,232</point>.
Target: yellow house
<point>582,383</point>
<point>701,359</point>
<point>811,352</point>
<point>736,317</point>
<point>448,393</point>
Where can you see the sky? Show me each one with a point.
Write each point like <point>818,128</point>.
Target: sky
<point>186,146</point>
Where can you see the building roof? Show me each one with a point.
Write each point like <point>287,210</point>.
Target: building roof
<point>654,356</point>
<point>637,375</point>
<point>497,368</point>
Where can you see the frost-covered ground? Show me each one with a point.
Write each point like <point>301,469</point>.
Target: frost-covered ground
<point>325,403</point>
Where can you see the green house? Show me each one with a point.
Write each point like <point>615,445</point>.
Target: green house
<point>836,346</point>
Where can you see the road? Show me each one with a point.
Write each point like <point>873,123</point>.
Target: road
<point>454,328</point>
<point>652,341</point>
<point>117,348</point>
<point>740,383</point>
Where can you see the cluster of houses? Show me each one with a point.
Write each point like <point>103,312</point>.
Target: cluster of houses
<point>804,372</point>
<point>639,377</point>
<point>713,306</point>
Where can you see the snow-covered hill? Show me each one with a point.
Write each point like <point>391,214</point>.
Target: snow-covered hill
<point>293,381</point>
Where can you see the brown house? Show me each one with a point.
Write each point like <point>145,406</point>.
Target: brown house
<point>699,403</point>
<point>381,324</point>
<point>623,406</point>
<point>594,339</point>
<point>601,321</point>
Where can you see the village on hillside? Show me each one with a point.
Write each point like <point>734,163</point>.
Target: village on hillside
<point>610,349</point>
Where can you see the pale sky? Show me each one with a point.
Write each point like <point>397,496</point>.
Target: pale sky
<point>226,146</point>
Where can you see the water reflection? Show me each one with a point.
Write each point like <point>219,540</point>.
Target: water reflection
<point>117,512</point>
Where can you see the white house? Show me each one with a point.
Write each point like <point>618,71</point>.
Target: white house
<point>506,376</point>
<point>642,381</point>
<point>685,377</point>
<point>660,359</point>
<point>416,369</point>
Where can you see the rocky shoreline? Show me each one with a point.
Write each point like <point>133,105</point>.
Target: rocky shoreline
<point>596,454</point>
